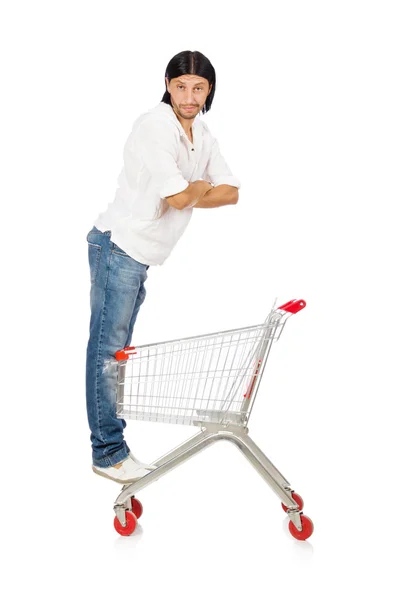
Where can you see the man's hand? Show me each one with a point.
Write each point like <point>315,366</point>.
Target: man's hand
<point>190,196</point>
<point>207,186</point>
<point>200,187</point>
<point>220,195</point>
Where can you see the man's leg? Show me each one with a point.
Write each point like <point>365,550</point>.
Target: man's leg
<point>139,301</point>
<point>115,297</point>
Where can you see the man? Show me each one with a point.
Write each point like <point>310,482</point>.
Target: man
<point>172,164</point>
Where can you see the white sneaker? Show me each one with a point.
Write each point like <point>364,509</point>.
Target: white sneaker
<point>141,464</point>
<point>128,472</point>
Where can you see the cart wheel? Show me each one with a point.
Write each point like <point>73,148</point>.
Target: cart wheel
<point>298,499</point>
<point>131,522</point>
<point>137,507</point>
<point>307,529</point>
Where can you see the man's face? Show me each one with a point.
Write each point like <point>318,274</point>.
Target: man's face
<point>188,91</point>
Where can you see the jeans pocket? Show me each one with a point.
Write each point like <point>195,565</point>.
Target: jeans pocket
<point>94,255</point>
<point>117,250</point>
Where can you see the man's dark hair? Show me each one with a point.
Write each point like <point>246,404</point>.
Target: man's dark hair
<point>191,63</point>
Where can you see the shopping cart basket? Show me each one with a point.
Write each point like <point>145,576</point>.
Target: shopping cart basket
<point>209,381</point>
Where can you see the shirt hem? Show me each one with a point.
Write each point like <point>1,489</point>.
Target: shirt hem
<point>135,255</point>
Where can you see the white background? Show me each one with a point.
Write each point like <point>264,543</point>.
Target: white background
<point>305,114</point>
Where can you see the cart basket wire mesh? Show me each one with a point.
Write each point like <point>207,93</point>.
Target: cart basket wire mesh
<point>208,378</point>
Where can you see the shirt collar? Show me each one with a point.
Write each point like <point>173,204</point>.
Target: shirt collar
<point>168,110</point>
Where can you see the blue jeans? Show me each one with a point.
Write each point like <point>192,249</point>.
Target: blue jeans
<point>117,293</point>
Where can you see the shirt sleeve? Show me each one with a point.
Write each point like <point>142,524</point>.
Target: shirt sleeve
<point>217,170</point>
<point>157,146</point>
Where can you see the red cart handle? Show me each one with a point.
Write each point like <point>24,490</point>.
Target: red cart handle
<point>293,306</point>
<point>125,353</point>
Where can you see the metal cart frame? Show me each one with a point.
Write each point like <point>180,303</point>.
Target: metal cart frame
<point>156,382</point>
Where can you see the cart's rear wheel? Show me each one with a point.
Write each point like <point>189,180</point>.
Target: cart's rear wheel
<point>137,507</point>
<point>298,499</point>
<point>131,522</point>
<point>307,529</point>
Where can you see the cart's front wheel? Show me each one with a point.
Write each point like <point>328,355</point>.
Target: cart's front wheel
<point>131,522</point>
<point>298,499</point>
<point>307,529</point>
<point>136,507</point>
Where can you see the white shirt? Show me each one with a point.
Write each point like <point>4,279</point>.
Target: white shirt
<point>160,161</point>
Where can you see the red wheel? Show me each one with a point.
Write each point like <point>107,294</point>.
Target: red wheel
<point>130,525</point>
<point>307,529</point>
<point>298,499</point>
<point>137,507</point>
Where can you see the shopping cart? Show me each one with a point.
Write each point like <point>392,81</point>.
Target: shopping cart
<point>209,381</point>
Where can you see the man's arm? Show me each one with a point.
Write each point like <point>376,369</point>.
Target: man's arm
<point>157,145</point>
<point>220,195</point>
<point>226,186</point>
<point>190,196</point>
<point>158,149</point>
<point>201,194</point>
